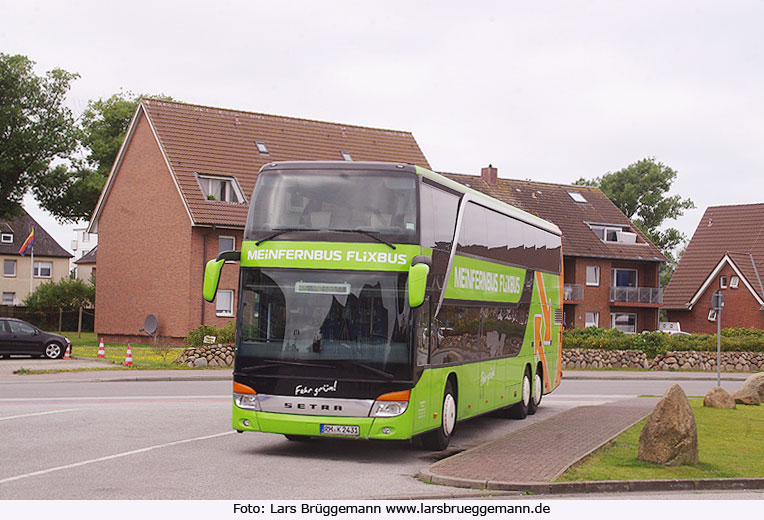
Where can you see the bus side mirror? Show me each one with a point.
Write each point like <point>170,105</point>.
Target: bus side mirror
<point>212,273</point>
<point>417,284</point>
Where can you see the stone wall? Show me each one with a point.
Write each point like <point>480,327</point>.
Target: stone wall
<point>689,360</point>
<point>207,356</point>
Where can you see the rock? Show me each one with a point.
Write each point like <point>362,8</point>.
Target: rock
<point>200,362</point>
<point>670,436</point>
<point>755,384</point>
<point>746,396</point>
<point>718,397</point>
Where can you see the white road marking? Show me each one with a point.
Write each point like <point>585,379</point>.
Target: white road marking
<point>38,413</point>
<point>111,457</point>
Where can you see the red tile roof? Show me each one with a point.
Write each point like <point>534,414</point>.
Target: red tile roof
<point>44,244</point>
<point>206,140</point>
<point>552,202</point>
<point>736,231</point>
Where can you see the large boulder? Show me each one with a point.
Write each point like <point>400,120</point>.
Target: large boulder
<point>746,396</point>
<point>718,397</point>
<point>670,436</point>
<point>755,384</point>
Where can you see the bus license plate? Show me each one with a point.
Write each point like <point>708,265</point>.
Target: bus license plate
<point>339,429</point>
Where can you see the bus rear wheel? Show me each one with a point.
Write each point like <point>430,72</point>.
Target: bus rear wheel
<point>538,389</point>
<point>438,439</point>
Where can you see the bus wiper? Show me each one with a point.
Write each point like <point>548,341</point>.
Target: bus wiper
<point>281,231</point>
<point>386,375</point>
<point>372,234</point>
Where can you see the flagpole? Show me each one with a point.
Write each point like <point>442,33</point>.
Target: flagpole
<point>31,267</point>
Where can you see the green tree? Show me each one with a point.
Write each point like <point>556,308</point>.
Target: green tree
<point>35,128</point>
<point>641,191</point>
<point>66,294</point>
<point>71,193</point>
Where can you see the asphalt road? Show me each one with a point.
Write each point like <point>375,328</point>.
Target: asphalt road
<point>173,440</point>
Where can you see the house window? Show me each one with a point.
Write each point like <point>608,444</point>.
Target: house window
<point>9,267</point>
<point>619,234</point>
<point>262,148</point>
<point>734,282</point>
<point>624,278</point>
<point>8,298</point>
<point>43,269</point>
<point>226,244</point>
<point>625,322</point>
<point>85,236</point>
<point>712,315</point>
<point>577,197</point>
<point>346,156</point>
<point>224,189</point>
<point>592,319</point>
<point>224,300</point>
<point>723,282</point>
<point>6,238</point>
<point>593,275</point>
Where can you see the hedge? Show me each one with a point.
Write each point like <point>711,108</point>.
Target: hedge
<point>654,343</point>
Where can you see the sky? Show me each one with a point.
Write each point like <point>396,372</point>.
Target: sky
<point>549,90</point>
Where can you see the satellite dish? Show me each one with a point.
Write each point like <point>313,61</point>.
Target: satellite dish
<point>150,325</point>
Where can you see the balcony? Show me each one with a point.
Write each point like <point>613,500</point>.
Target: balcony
<point>573,292</point>
<point>647,296</point>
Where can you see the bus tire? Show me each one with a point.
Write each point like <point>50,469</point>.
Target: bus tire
<point>520,410</point>
<point>537,392</point>
<point>438,439</point>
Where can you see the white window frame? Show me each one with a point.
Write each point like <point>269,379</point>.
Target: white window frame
<point>6,238</point>
<point>38,267</point>
<point>711,314</point>
<point>723,282</point>
<point>346,156</point>
<point>734,281</point>
<point>578,197</point>
<point>12,299</point>
<point>262,149</point>
<point>612,276</point>
<point>233,239</point>
<point>595,322</point>
<point>14,268</point>
<point>596,269</point>
<point>614,316</point>
<point>224,313</point>
<point>204,184</point>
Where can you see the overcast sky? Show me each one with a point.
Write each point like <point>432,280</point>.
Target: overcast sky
<point>548,91</point>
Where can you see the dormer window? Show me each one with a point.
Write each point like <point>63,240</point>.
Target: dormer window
<point>614,233</point>
<point>224,189</point>
<point>6,238</point>
<point>346,156</point>
<point>262,148</point>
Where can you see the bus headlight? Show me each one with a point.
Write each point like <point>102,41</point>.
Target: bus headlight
<point>389,408</point>
<point>247,401</point>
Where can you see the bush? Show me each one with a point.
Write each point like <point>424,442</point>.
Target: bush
<point>654,343</point>
<point>225,335</point>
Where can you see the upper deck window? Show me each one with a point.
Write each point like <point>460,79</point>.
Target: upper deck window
<point>379,202</point>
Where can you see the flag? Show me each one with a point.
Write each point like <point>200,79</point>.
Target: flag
<point>29,242</point>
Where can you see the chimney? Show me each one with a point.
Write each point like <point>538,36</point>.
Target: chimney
<point>490,175</point>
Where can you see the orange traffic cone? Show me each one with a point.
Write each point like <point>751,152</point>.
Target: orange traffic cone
<point>101,350</point>
<point>68,351</point>
<point>129,357</point>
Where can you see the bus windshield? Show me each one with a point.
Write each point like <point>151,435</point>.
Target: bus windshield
<point>382,203</point>
<point>353,321</point>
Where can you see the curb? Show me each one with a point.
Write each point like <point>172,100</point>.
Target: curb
<point>654,376</point>
<point>597,486</point>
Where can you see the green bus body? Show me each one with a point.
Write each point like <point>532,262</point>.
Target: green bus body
<point>490,315</point>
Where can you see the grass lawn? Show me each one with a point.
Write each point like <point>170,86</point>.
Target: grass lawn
<point>144,355</point>
<point>730,445</point>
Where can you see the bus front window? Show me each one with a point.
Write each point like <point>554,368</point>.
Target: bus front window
<point>338,317</point>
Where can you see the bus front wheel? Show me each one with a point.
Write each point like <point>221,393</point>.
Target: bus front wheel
<point>438,439</point>
<point>520,410</point>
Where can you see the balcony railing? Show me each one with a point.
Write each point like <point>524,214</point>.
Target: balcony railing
<point>636,294</point>
<point>573,292</point>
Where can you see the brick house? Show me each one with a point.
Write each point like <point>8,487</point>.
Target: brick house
<point>726,253</point>
<point>51,261</point>
<point>178,194</point>
<point>611,269</point>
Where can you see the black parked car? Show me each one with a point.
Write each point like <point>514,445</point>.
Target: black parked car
<point>19,337</point>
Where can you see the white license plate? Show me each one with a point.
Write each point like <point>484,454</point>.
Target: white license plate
<point>340,429</point>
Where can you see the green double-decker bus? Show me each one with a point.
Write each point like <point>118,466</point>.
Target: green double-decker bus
<point>385,301</point>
